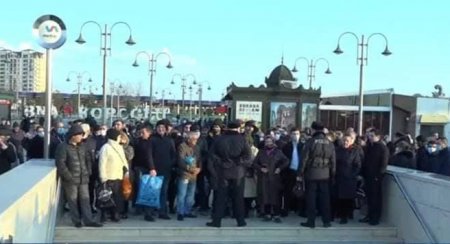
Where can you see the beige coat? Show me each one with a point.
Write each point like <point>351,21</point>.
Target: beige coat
<point>112,161</point>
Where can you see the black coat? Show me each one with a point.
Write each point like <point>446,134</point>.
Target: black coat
<point>421,159</point>
<point>99,142</point>
<point>348,166</point>
<point>163,154</point>
<point>55,140</point>
<point>376,158</point>
<point>143,155</point>
<point>229,155</point>
<point>444,157</point>
<point>432,162</point>
<point>36,148</point>
<point>7,157</point>
<point>270,184</point>
<point>72,163</point>
<point>90,145</point>
<point>405,159</point>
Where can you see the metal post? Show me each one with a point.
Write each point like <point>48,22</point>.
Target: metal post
<point>118,102</point>
<point>48,102</point>
<point>112,103</point>
<point>200,91</point>
<point>152,61</point>
<point>361,87</point>
<point>79,96</point>
<point>310,70</point>
<point>183,90</point>
<point>105,52</point>
<point>190,104</point>
<point>162,103</point>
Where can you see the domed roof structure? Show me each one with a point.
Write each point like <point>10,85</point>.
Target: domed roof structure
<point>280,73</point>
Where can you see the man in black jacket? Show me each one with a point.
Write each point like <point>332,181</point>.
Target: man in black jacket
<point>229,155</point>
<point>143,164</point>
<point>292,151</point>
<point>72,163</point>
<point>90,144</point>
<point>7,152</point>
<point>319,166</point>
<point>373,169</point>
<point>164,158</point>
<point>203,179</point>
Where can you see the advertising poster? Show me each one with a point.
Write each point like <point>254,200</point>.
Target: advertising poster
<point>246,110</point>
<point>309,114</point>
<point>283,114</point>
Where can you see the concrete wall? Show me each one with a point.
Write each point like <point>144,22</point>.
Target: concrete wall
<point>27,203</point>
<point>429,193</point>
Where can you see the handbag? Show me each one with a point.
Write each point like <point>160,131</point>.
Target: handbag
<point>127,187</point>
<point>299,189</point>
<point>104,196</point>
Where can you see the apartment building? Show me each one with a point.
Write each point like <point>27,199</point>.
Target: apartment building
<point>22,71</point>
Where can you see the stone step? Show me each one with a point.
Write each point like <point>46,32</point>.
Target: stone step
<point>226,234</point>
<point>135,229</point>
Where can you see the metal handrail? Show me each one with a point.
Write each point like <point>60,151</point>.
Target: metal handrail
<point>426,228</point>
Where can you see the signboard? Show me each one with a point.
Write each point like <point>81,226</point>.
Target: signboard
<point>49,31</point>
<point>309,114</point>
<point>283,114</point>
<point>246,110</point>
<point>135,113</point>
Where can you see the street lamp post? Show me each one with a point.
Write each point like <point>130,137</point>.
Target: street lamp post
<point>79,76</point>
<point>105,43</point>
<point>152,59</point>
<point>119,91</point>
<point>113,85</point>
<point>361,59</point>
<point>200,93</point>
<point>311,74</point>
<point>163,95</point>
<point>190,103</point>
<point>183,84</point>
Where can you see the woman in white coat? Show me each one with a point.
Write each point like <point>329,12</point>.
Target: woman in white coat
<point>112,167</point>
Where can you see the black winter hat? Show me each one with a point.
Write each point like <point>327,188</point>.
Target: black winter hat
<point>75,130</point>
<point>234,125</point>
<point>317,125</point>
<point>195,128</point>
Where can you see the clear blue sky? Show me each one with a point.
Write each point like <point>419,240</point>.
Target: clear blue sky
<point>242,41</point>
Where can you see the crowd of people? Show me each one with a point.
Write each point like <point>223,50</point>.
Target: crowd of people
<point>222,170</point>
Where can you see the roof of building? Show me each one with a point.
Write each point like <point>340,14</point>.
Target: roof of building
<point>279,74</point>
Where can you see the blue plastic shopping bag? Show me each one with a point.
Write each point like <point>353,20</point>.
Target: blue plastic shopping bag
<point>149,191</point>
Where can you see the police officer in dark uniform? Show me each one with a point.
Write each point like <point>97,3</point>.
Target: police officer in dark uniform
<point>319,166</point>
<point>230,154</point>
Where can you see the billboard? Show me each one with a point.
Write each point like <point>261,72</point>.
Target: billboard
<point>309,114</point>
<point>248,110</point>
<point>283,114</point>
